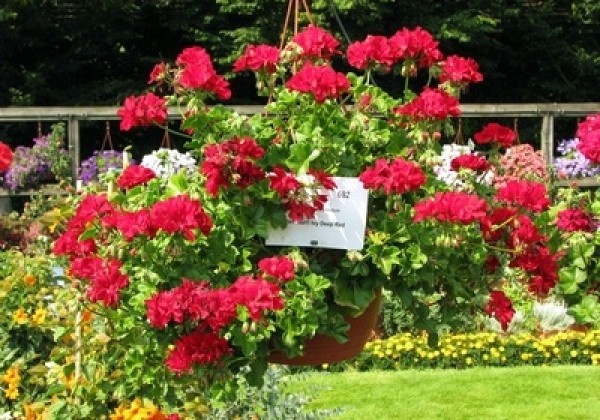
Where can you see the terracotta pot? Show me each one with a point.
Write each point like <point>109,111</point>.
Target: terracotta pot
<point>322,349</point>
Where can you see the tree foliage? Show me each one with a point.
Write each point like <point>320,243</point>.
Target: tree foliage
<point>84,53</point>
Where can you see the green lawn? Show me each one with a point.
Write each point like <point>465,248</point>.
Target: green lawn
<point>537,392</point>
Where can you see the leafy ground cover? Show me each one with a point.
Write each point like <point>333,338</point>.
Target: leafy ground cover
<point>525,392</point>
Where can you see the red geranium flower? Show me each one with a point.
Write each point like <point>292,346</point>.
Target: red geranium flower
<point>527,194</point>
<point>500,307</point>
<point>451,206</point>
<point>496,133</point>
<point>417,45</point>
<point>257,295</point>
<point>263,58</point>
<point>198,347</point>
<point>6,157</point>
<point>322,82</point>
<point>316,43</point>
<point>399,176</point>
<point>280,267</point>
<point>135,175</point>
<point>589,146</point>
<point>197,72</point>
<point>460,70</point>
<point>431,104</point>
<point>142,111</point>
<point>573,220</point>
<point>373,51</point>
<point>180,214</point>
<point>470,161</point>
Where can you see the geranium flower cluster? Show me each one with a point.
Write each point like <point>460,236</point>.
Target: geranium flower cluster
<point>521,161</point>
<point>588,132</point>
<point>6,156</point>
<point>187,258</point>
<point>211,310</point>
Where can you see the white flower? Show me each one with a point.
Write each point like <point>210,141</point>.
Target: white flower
<point>552,315</point>
<point>166,162</point>
<point>445,173</point>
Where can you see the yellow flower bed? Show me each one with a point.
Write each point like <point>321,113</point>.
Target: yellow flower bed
<point>405,351</point>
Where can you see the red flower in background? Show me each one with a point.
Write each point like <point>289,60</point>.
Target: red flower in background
<point>500,307</point>
<point>573,220</point>
<point>527,194</point>
<point>451,206</point>
<point>431,104</point>
<point>316,43</point>
<point>263,58</point>
<point>323,82</point>
<point>495,133</point>
<point>470,161</point>
<point>6,157</point>
<point>142,111</point>
<point>135,175</point>
<point>106,283</point>
<point>460,70</point>
<point>399,176</point>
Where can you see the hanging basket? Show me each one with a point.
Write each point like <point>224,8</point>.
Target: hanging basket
<point>323,349</point>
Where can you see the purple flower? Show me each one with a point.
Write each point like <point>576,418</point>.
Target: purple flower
<point>571,163</point>
<point>98,164</point>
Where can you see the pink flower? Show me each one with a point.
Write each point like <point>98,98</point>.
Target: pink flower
<point>495,133</point>
<point>106,283</point>
<point>257,295</point>
<point>197,72</point>
<point>158,73</point>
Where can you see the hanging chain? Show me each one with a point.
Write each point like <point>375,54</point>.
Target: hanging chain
<point>107,137</point>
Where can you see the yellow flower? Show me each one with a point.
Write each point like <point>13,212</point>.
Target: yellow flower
<point>20,316</point>
<point>12,393</point>
<point>39,316</point>
<point>29,279</point>
<point>574,353</point>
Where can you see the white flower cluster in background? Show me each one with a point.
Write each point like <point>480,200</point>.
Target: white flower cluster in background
<point>454,179</point>
<point>166,162</point>
<point>552,316</point>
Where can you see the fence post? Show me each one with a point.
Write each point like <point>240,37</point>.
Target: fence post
<point>547,138</point>
<point>74,146</point>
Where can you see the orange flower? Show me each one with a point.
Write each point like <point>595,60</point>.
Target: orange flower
<point>29,279</point>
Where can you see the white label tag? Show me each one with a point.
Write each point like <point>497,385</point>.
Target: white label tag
<point>340,225</point>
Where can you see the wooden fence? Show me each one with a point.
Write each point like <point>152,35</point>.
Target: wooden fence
<point>547,112</point>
